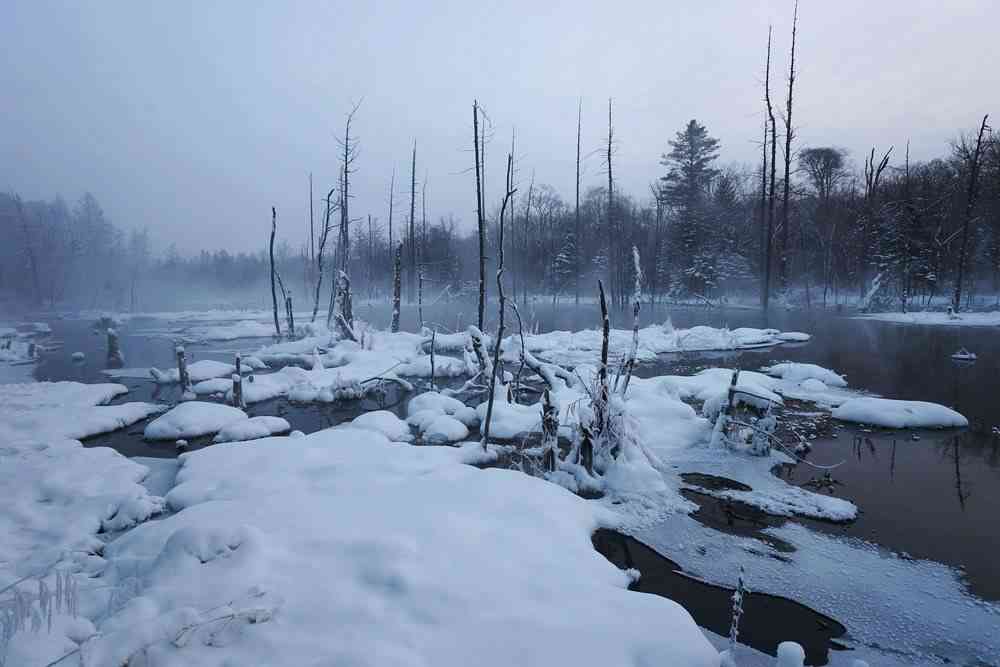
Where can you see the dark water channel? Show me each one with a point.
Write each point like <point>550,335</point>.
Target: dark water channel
<point>933,497</point>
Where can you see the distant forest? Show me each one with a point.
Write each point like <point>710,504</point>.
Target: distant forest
<point>886,233</point>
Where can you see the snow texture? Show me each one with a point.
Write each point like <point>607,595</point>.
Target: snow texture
<point>192,419</point>
<point>332,547</point>
<point>252,429</point>
<point>898,414</point>
<point>386,423</point>
<point>206,369</point>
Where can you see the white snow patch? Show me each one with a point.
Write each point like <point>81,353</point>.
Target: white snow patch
<point>192,419</point>
<point>898,414</point>
<point>386,423</point>
<point>252,429</point>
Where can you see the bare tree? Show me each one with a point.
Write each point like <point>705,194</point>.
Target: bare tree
<point>510,190</point>
<point>324,234</point>
<point>481,223</point>
<point>768,261</point>
<point>412,266</point>
<point>274,292</point>
<point>392,188</point>
<point>970,206</point>
<point>576,208</point>
<point>789,134</point>
<point>397,269</point>
<point>612,263</point>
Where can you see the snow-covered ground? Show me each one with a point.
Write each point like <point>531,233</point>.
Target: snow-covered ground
<point>351,545</point>
<point>962,319</point>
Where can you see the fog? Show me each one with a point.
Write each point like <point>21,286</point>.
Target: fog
<point>192,119</point>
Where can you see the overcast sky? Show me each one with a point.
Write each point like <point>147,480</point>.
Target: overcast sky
<point>194,118</point>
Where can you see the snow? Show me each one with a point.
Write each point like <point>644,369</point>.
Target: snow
<point>443,429</point>
<point>794,336</point>
<point>899,414</point>
<point>440,419</point>
<point>432,402</point>
<point>386,423</point>
<point>799,372</point>
<point>983,319</point>
<point>253,428</point>
<point>264,530</point>
<point>510,420</point>
<point>206,369</point>
<point>192,419</point>
<point>573,348</point>
<point>233,330</point>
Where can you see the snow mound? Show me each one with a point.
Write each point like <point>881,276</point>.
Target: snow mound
<point>264,528</point>
<point>510,420</point>
<point>444,429</point>
<point>798,372</point>
<point>899,414</point>
<point>206,369</point>
<point>252,429</point>
<point>794,336</point>
<point>192,419</point>
<point>431,402</point>
<point>386,423</point>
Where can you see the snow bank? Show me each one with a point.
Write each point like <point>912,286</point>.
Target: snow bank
<point>58,494</point>
<point>989,319</point>
<point>252,429</point>
<point>798,372</point>
<point>386,423</point>
<point>192,419</point>
<point>898,414</point>
<point>310,564</point>
<point>573,348</point>
<point>206,369</point>
<point>234,330</point>
<point>441,419</point>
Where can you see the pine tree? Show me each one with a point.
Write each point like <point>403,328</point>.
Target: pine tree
<point>685,189</point>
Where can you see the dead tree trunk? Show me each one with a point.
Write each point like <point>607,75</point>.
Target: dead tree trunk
<point>182,370</point>
<point>612,263</point>
<point>768,260</point>
<point>481,223</point>
<point>397,269</point>
<point>238,401</point>
<point>970,206</point>
<point>550,432</point>
<point>274,290</point>
<point>411,268</point>
<point>765,231</point>
<point>789,133</point>
<point>321,252</point>
<point>497,367</point>
<point>576,209</point>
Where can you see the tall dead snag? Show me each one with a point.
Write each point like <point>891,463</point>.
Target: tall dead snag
<point>274,287</point>
<point>343,308</point>
<point>238,400</point>
<point>768,261</point>
<point>970,206</point>
<point>600,401</point>
<point>312,227</point>
<point>636,304</point>
<point>412,266</point>
<point>397,268</point>
<point>765,232</point>
<point>612,263</point>
<point>510,190</point>
<point>870,213</point>
<point>349,154</point>
<point>481,223</point>
<point>789,133</point>
<point>392,193</point>
<point>324,234</point>
<point>576,208</point>
<point>550,432</point>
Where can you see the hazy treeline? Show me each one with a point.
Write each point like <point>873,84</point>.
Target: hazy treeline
<point>699,229</point>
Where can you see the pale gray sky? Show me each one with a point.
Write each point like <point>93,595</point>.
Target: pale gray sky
<point>193,118</point>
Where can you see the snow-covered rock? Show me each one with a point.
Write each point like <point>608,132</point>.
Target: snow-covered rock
<point>252,429</point>
<point>192,419</point>
<point>444,429</point>
<point>898,414</point>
